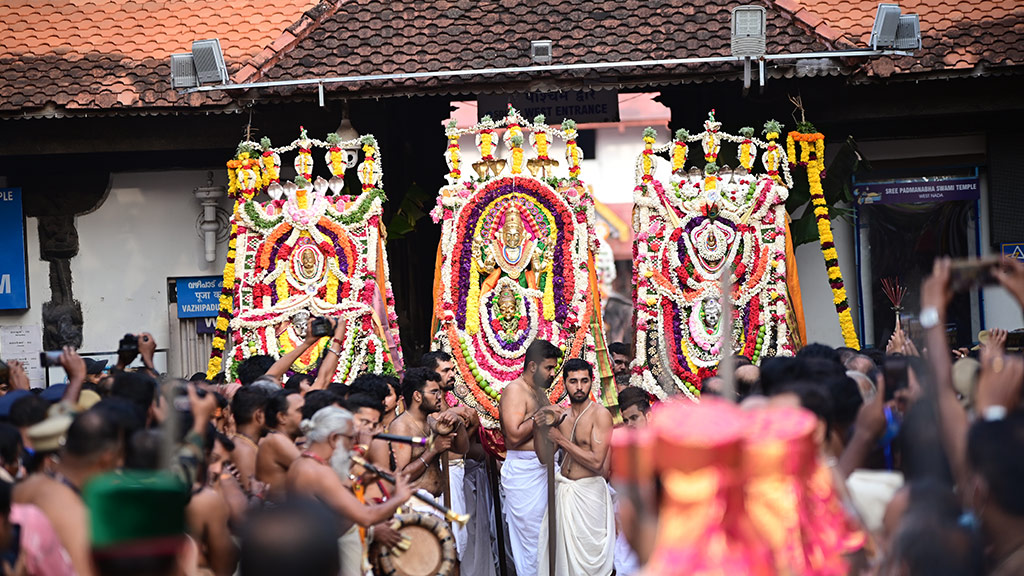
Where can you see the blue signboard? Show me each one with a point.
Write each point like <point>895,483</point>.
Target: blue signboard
<point>1015,251</point>
<point>198,296</point>
<point>13,279</point>
<point>907,191</point>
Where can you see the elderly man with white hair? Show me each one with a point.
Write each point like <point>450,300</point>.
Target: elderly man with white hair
<point>322,472</point>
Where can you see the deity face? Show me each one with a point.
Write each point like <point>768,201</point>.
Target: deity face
<point>712,312</point>
<point>512,230</point>
<point>507,303</point>
<point>308,264</point>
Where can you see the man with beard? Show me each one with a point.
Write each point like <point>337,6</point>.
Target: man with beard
<point>585,519</point>
<point>277,450</point>
<point>421,389</point>
<point>321,469</point>
<point>523,476</point>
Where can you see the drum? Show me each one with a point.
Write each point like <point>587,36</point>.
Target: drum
<point>432,550</point>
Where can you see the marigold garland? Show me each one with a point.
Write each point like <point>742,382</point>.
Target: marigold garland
<point>814,160</point>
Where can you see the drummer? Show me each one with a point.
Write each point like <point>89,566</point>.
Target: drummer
<point>421,389</point>
<point>322,469</point>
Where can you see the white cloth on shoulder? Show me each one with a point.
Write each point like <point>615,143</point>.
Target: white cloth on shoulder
<point>585,528</point>
<point>525,484</point>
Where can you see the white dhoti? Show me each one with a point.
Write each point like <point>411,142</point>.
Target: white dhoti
<point>524,481</point>
<point>585,524</point>
<point>350,547</point>
<point>456,481</point>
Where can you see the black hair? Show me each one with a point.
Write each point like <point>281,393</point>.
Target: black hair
<point>846,399</point>
<point>928,542</point>
<point>91,434</point>
<point>776,372</point>
<point>394,383</point>
<point>813,397</point>
<point>253,367</point>
<point>277,404</point>
<point>740,360</point>
<point>356,401</point>
<point>299,537</point>
<point>338,389</point>
<point>540,350</point>
<point>5,499</point>
<point>576,365</point>
<point>816,350</point>
<point>197,377</point>
<point>633,396</point>
<point>315,400</point>
<point>920,444</point>
<point>143,450</point>
<point>434,358</point>
<point>223,440</point>
<point>137,387</point>
<point>10,444</point>
<point>295,382</point>
<point>877,355</point>
<point>994,451</point>
<point>123,413</point>
<point>817,369</point>
<point>620,348</point>
<point>28,411</point>
<point>415,381</point>
<point>246,402</point>
<point>220,378</point>
<point>370,383</point>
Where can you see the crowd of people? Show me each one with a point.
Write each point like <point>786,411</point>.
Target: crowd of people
<point>122,471</point>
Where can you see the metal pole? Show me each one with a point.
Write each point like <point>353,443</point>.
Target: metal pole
<point>499,521</point>
<point>545,68</point>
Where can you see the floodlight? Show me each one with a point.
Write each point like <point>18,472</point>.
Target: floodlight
<point>183,71</point>
<point>540,51</point>
<point>908,33</point>
<point>883,32</point>
<point>748,31</point>
<point>209,61</point>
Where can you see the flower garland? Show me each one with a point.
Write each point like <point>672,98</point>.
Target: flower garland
<point>263,289</point>
<point>554,278</point>
<point>685,240</point>
<point>815,163</point>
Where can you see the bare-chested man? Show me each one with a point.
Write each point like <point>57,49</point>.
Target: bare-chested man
<point>421,389</point>
<point>585,518</point>
<point>277,450</point>
<point>249,410</point>
<point>208,512</point>
<point>523,476</point>
<point>318,474</point>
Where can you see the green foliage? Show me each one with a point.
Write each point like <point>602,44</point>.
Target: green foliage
<point>772,126</point>
<point>265,143</point>
<point>539,119</point>
<point>333,139</point>
<point>682,134</point>
<point>568,124</point>
<point>747,131</point>
<point>452,124</point>
<point>650,132</point>
<point>836,186</point>
<point>409,212</point>
<point>805,128</point>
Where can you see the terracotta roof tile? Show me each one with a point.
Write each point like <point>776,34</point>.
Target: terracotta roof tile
<point>418,36</point>
<point>113,54</point>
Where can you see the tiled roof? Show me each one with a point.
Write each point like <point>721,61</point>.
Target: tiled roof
<point>957,37</point>
<point>96,54</point>
<point>63,57</point>
<point>367,37</point>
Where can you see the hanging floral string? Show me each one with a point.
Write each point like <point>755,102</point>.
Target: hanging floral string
<point>812,155</point>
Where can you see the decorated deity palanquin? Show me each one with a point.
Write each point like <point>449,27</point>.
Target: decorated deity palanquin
<point>710,229</point>
<point>310,250</point>
<point>516,259</point>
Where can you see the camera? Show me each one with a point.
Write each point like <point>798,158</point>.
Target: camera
<point>49,358</point>
<point>128,346</point>
<point>180,396</point>
<point>321,326</point>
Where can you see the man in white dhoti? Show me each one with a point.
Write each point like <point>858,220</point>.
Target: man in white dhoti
<point>523,475</point>
<point>585,518</point>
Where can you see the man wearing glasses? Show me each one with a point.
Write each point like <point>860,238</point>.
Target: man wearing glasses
<point>421,389</point>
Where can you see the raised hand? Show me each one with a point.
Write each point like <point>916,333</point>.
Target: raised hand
<point>1010,274</point>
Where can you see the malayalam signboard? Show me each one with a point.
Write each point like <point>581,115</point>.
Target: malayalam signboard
<point>583,106</point>
<point>13,277</point>
<point>198,296</point>
<point>919,190</point>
